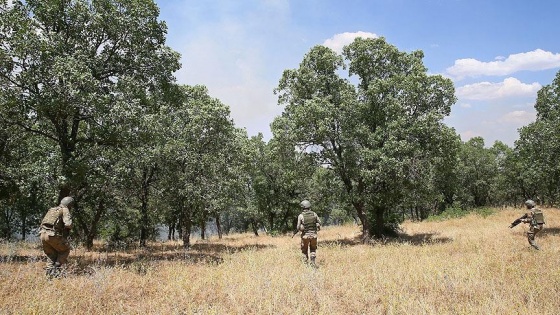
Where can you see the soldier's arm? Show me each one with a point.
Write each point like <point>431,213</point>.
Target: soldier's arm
<point>517,221</point>
<point>299,225</point>
<point>66,218</point>
<point>318,222</point>
<point>527,217</point>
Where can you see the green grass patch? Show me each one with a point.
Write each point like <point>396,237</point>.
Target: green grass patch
<point>453,213</point>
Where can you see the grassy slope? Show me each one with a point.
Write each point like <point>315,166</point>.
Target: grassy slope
<point>471,265</point>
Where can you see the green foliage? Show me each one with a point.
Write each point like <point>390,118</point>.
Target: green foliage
<point>78,76</point>
<point>538,147</point>
<point>382,137</point>
<point>477,173</point>
<point>458,212</point>
<point>199,150</point>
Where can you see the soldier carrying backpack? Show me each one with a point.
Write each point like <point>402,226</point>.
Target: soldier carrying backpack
<point>309,224</point>
<point>54,231</point>
<point>535,218</point>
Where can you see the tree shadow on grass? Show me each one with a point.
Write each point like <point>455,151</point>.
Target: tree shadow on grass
<point>414,239</point>
<point>198,253</point>
<point>419,239</point>
<point>86,262</point>
<point>341,242</point>
<point>227,249</point>
<point>19,258</point>
<point>552,231</point>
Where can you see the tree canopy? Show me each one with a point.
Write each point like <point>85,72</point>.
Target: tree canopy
<point>374,135</point>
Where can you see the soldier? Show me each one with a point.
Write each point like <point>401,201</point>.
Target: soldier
<point>308,223</point>
<point>535,218</point>
<point>55,228</point>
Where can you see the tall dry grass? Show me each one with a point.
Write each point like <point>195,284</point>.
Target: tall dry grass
<point>471,265</point>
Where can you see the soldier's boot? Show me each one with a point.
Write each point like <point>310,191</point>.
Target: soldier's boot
<point>48,273</point>
<point>56,272</point>
<point>49,270</point>
<point>305,258</point>
<point>313,256</point>
<point>531,238</point>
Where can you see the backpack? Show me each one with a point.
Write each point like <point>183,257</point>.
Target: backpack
<point>538,216</point>
<point>309,221</point>
<point>52,217</point>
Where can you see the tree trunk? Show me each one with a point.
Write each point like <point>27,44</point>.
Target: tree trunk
<point>186,231</point>
<point>270,221</point>
<point>180,225</point>
<point>379,224</point>
<point>147,179</point>
<point>203,228</point>
<point>255,227</point>
<point>171,231</point>
<point>23,218</point>
<point>92,229</point>
<point>218,226</point>
<point>360,210</point>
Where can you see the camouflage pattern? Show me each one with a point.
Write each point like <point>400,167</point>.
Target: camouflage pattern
<point>308,223</point>
<point>53,232</point>
<point>57,250</point>
<point>535,219</point>
<point>57,220</point>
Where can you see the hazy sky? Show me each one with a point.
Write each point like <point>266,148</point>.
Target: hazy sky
<point>498,53</point>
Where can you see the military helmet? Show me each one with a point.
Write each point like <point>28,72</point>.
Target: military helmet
<point>66,201</point>
<point>530,203</point>
<point>305,204</point>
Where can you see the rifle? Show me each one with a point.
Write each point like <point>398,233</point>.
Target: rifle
<point>296,232</point>
<point>517,221</point>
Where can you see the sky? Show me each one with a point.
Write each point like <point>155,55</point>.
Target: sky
<point>498,53</point>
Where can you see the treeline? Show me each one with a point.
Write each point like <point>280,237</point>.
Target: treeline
<point>89,107</point>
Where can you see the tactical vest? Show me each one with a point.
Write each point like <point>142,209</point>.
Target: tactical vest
<point>309,222</point>
<point>538,216</point>
<point>53,220</point>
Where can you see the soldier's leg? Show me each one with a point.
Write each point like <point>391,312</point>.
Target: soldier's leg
<point>50,252</point>
<point>304,247</point>
<point>61,245</point>
<point>313,249</point>
<point>531,237</point>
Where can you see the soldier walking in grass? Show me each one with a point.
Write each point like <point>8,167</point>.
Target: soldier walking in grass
<point>54,231</point>
<point>535,218</point>
<point>309,224</point>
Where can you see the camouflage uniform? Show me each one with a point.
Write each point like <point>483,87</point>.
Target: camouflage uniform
<point>308,223</point>
<point>54,230</point>
<point>535,218</point>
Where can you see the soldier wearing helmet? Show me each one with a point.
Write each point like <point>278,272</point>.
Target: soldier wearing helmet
<point>54,231</point>
<point>535,219</point>
<point>309,224</point>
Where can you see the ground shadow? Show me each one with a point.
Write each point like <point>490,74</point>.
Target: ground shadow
<point>419,239</point>
<point>414,239</point>
<point>552,231</point>
<point>198,253</point>
<point>138,262</point>
<point>229,249</point>
<point>342,242</point>
<point>138,259</point>
<point>19,258</point>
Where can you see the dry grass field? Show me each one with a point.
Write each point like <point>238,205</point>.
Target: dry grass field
<point>470,265</point>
